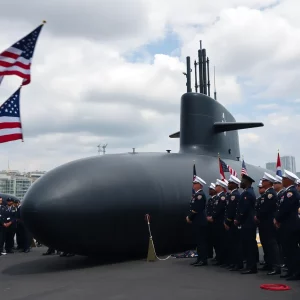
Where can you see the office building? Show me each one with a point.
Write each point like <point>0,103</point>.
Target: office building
<point>16,185</point>
<point>287,163</point>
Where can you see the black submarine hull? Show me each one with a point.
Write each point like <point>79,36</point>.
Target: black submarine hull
<point>97,205</point>
<point>102,211</point>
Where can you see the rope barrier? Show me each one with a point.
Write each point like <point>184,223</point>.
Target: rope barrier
<point>275,287</point>
<point>147,217</point>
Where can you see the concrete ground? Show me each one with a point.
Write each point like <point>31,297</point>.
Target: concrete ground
<point>35,277</point>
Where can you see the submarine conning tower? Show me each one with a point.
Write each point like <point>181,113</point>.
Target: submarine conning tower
<point>198,133</point>
<point>206,126</point>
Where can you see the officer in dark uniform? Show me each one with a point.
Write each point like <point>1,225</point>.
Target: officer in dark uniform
<point>245,219</point>
<point>298,189</point>
<point>19,227</point>
<point>267,232</point>
<point>197,217</point>
<point>217,219</point>
<point>261,191</point>
<point>209,212</point>
<point>10,224</point>
<point>278,187</point>
<point>25,237</point>
<point>235,258</point>
<point>287,220</point>
<point>2,227</point>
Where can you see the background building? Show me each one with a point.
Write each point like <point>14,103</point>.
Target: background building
<point>17,184</point>
<point>287,163</point>
<point>271,166</point>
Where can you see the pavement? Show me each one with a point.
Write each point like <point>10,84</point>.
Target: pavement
<point>35,277</point>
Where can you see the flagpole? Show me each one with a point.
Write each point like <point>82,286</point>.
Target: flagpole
<point>20,112</point>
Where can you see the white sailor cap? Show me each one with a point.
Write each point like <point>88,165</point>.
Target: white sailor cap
<point>223,184</point>
<point>234,179</point>
<point>212,186</point>
<point>199,180</point>
<point>260,184</point>
<point>278,179</point>
<point>290,175</point>
<point>297,181</point>
<point>226,181</point>
<point>268,177</point>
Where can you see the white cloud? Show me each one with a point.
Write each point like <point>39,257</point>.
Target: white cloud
<point>268,106</point>
<point>84,91</point>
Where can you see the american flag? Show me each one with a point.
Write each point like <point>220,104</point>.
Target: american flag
<point>225,168</point>
<point>278,166</point>
<point>10,120</point>
<point>244,170</point>
<point>16,60</point>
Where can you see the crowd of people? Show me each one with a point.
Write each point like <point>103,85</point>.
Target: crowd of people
<point>12,228</point>
<point>227,223</point>
<point>14,237</point>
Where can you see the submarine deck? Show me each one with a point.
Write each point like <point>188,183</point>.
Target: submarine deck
<point>32,276</point>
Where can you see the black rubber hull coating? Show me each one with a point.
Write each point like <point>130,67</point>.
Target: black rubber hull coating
<point>97,205</point>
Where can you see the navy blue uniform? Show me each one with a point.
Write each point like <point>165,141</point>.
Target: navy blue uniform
<point>233,234</point>
<point>218,227</point>
<point>287,217</point>
<point>24,237</point>
<point>245,217</point>
<point>10,216</point>
<point>267,231</point>
<point>199,223</point>
<point>210,240</point>
<point>279,231</point>
<point>2,228</point>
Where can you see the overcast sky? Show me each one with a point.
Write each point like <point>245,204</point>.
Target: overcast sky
<point>110,71</point>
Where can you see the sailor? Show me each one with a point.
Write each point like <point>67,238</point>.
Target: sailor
<point>267,232</point>
<point>235,258</point>
<point>245,219</point>
<point>197,218</point>
<point>209,211</point>
<point>261,191</point>
<point>2,227</point>
<point>19,227</point>
<point>298,189</point>
<point>25,237</point>
<point>298,185</point>
<point>10,225</point>
<point>287,220</point>
<point>217,219</point>
<point>278,187</point>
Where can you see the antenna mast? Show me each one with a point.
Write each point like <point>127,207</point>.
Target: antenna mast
<point>188,75</point>
<point>103,148</point>
<point>215,89</point>
<point>208,79</point>
<point>204,71</point>
<point>200,64</point>
<point>196,80</point>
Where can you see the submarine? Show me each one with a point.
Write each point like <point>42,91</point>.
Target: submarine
<point>96,206</point>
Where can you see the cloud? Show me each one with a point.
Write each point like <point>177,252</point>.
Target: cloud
<point>270,106</point>
<point>93,80</point>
